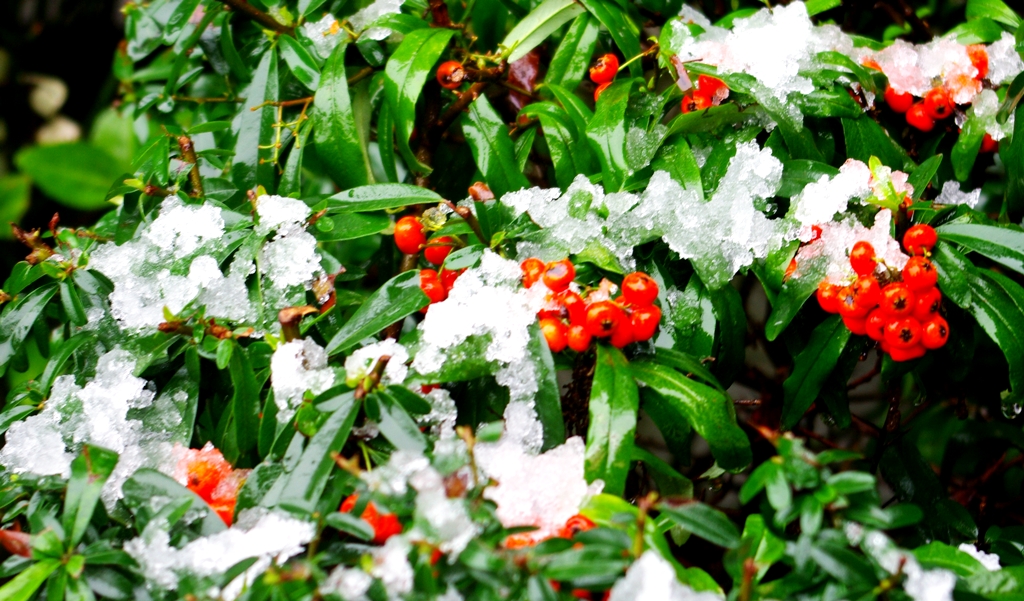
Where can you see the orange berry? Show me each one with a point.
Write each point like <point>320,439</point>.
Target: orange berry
<point>697,101</point>
<point>439,249</point>
<point>576,524</point>
<point>919,118</point>
<point>862,258</point>
<point>602,318</point>
<point>866,292</point>
<point>874,325</point>
<point>935,333</point>
<point>856,325</point>
<point>988,144</point>
<point>604,69</point>
<point>828,297</point>
<point>898,300</point>
<point>937,104</point>
<point>431,285</point>
<point>919,274</point>
<point>533,271</point>
<point>451,74</point>
<point>574,305</point>
<point>559,274</point>
<point>979,58</point>
<point>903,333</point>
<point>899,102</point>
<point>639,289</point>
<point>848,306</point>
<point>579,338</point>
<point>644,322</point>
<point>448,278</point>
<point>555,333</point>
<point>906,354</point>
<point>929,301</point>
<point>600,89</point>
<point>409,236</point>
<point>623,334</point>
<point>920,239</point>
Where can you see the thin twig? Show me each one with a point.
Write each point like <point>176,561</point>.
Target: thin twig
<point>372,379</point>
<point>259,16</point>
<point>188,154</point>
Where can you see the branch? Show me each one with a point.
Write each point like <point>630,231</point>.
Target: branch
<point>372,379</point>
<point>259,16</point>
<point>188,154</point>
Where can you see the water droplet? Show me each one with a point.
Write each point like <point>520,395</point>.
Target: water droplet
<point>1011,411</point>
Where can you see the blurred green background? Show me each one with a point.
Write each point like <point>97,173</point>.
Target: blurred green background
<point>63,141</point>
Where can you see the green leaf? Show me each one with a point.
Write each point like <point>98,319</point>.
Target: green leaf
<point>623,30</point>
<point>965,151</point>
<point>77,175</point>
<point>606,133</point>
<point>710,411</point>
<point>981,30</point>
<point>340,142</point>
<point>996,10</point>
<point>940,555</point>
<point>548,400</point>
<point>797,173</point>
<point>147,484</point>
<point>687,364</point>
<point>562,139</point>
<point>15,190</point>
<point>405,74</point>
<point>350,226</point>
<point>72,303</point>
<point>350,524</point>
<point>812,367</point>
<point>398,298</point>
<point>571,61</point>
<point>301,62</point>
<point>709,119</point>
<point>488,139</point>
<point>732,333</point>
<point>386,142</point>
<point>253,165</point>
<point>308,479</point>
<point>843,564</point>
<point>791,298</point>
<point>614,402</point>
<point>18,319</point>
<point>1000,317</point>
<point>209,126</point>
<point>380,196</point>
<point>848,483</point>
<point>865,138</point>
<point>1003,245</point>
<point>815,7</point>
<point>395,423</point>
<point>953,268</point>
<point>670,482</point>
<point>89,472</point>
<point>23,586</point>
<point>706,522</point>
<point>923,175</point>
<point>245,399</point>
<point>533,29</point>
<point>113,133</point>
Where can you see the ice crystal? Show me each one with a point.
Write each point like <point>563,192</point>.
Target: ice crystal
<point>821,200</point>
<point>989,560</point>
<point>296,367</point>
<point>951,195</point>
<point>1004,62</point>
<point>325,34</point>
<point>536,490</point>
<point>915,68</point>
<point>652,578</point>
<point>439,519</point>
<point>984,111</point>
<point>365,17</point>
<point>359,364</point>
<point>281,214</point>
<point>827,257</point>
<point>270,536</point>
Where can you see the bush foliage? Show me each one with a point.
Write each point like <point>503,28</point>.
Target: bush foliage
<point>247,381</point>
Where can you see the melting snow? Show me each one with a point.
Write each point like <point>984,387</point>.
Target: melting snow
<point>652,578</point>
<point>296,367</point>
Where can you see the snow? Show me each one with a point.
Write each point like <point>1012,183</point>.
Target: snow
<point>271,536</point>
<point>1004,63</point>
<point>951,195</point>
<point>439,519</point>
<point>170,264</point>
<point>326,34</point>
<point>392,478</point>
<point>920,584</point>
<point>536,490</point>
<point>97,414</point>
<point>984,111</point>
<point>915,68</point>
<point>652,578</point>
<point>821,200</point>
<point>296,367</point>
<point>828,258</point>
<point>280,214</point>
<point>365,17</point>
<point>443,413</point>
<point>989,560</point>
<point>361,362</point>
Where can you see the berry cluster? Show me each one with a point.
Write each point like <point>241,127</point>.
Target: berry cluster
<point>569,320</point>
<point>937,104</point>
<point>437,285</point>
<point>410,239</point>
<point>898,310</point>
<point>206,473</point>
<point>603,72</point>
<point>384,525</point>
<point>710,91</point>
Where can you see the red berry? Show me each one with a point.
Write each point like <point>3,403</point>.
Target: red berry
<point>866,292</point>
<point>623,333</point>
<point>935,333</point>
<point>384,526</point>
<point>919,118</point>
<point>928,303</point>
<point>438,249</point>
<point>979,58</point>
<point>579,338</point>
<point>639,289</point>
<point>937,104</point>
<point>432,286</point>
<point>602,318</point>
<point>848,306</point>
<point>604,69</point>
<point>697,101</point>
<point>815,233</point>
<point>903,333</point>
<point>574,305</point>
<point>575,525</point>
<point>645,322</point>
<point>898,300</point>
<point>875,324</point>
<point>862,258</point>
<point>409,236</point>
<point>450,75</point>
<point>533,271</point>
<point>600,89</point>
<point>906,354</point>
<point>899,102</point>
<point>709,86</point>
<point>828,297</point>
<point>920,239</point>
<point>856,325</point>
<point>555,333</point>
<point>448,278</point>
<point>559,274</point>
<point>988,144</point>
<point>919,274</point>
